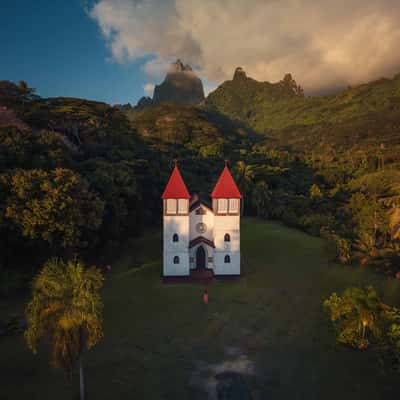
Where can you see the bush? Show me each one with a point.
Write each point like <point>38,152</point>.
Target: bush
<point>313,223</point>
<point>342,246</point>
<point>362,321</point>
<point>290,218</point>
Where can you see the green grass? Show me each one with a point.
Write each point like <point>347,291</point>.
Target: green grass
<point>156,334</point>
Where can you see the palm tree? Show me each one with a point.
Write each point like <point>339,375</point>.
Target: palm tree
<point>355,314</point>
<point>65,312</point>
<point>244,178</point>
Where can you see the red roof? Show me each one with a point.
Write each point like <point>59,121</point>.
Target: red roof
<point>225,187</point>
<point>176,188</point>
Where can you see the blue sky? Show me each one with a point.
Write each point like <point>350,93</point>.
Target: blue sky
<point>126,45</point>
<point>58,49</point>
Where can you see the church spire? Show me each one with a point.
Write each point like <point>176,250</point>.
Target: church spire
<point>175,188</point>
<point>226,187</point>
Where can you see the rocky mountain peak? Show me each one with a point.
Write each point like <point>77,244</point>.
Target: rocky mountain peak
<point>239,73</point>
<point>180,86</point>
<point>178,66</point>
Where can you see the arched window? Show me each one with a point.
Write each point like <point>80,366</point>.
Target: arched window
<point>176,260</point>
<point>227,259</point>
<point>175,238</point>
<point>227,237</point>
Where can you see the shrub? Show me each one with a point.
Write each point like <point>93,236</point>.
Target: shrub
<point>313,223</point>
<point>342,246</point>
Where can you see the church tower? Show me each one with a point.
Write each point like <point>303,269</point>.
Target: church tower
<point>226,199</point>
<point>201,238</point>
<point>176,226</point>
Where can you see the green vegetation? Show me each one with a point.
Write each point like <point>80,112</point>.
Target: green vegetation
<point>157,336</point>
<point>267,107</point>
<point>93,174</point>
<point>56,206</point>
<point>79,177</point>
<point>65,313</point>
<point>347,146</point>
<point>361,320</point>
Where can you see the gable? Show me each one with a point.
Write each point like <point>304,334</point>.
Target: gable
<point>200,208</point>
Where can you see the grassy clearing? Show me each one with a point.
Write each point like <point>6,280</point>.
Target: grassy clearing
<point>156,335</point>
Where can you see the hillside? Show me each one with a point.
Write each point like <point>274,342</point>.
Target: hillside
<point>303,167</point>
<point>202,131</point>
<point>273,106</point>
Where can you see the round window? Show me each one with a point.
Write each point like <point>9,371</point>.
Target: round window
<point>201,227</point>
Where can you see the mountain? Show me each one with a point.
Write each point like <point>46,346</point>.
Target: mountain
<point>328,165</point>
<point>248,100</point>
<point>363,118</point>
<point>181,86</point>
<point>266,106</point>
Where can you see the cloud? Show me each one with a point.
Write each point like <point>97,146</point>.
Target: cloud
<point>208,86</point>
<point>324,44</point>
<point>148,89</point>
<point>157,67</point>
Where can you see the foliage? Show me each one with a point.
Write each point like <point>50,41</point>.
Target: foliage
<point>321,164</point>
<point>392,343</point>
<point>56,206</point>
<point>342,245</point>
<point>356,316</point>
<point>315,192</point>
<point>350,143</point>
<point>361,320</point>
<point>65,311</point>
<point>260,199</point>
<point>313,223</point>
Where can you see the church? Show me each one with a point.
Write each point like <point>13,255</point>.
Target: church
<point>201,237</point>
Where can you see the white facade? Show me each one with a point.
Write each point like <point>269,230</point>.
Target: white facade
<point>201,238</point>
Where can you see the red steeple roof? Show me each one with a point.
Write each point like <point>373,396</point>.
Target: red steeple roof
<point>176,188</point>
<point>225,187</point>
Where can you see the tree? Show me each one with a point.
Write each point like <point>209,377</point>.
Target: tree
<point>56,206</point>
<point>116,182</point>
<point>356,316</point>
<point>260,198</point>
<point>244,177</point>
<point>361,320</point>
<point>315,192</point>
<point>392,343</point>
<point>65,313</point>
<point>369,218</point>
<point>26,93</point>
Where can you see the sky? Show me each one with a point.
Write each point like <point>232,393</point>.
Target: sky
<point>117,50</point>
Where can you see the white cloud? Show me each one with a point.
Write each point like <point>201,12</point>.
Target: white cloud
<point>157,67</point>
<point>148,89</point>
<point>208,86</point>
<point>322,43</point>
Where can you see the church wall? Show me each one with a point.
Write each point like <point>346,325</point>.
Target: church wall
<point>227,224</point>
<point>207,219</point>
<point>180,226</point>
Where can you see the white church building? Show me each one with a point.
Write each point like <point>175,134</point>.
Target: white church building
<point>201,237</point>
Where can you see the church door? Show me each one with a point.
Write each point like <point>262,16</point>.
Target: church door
<point>200,258</point>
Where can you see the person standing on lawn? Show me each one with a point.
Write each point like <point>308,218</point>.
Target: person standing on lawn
<point>205,297</point>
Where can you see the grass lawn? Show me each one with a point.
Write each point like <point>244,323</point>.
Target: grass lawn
<point>162,343</point>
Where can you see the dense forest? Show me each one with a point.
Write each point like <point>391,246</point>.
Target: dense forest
<point>79,176</point>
